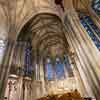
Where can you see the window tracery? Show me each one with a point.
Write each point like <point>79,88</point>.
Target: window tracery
<point>55,70</point>
<point>92,30</point>
<point>49,70</point>
<point>96,6</point>
<point>59,68</point>
<point>28,70</point>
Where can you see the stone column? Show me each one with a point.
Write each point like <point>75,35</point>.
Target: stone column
<point>42,76</point>
<point>27,89</point>
<point>20,90</point>
<point>87,53</point>
<point>36,65</point>
<point>79,83</point>
<point>5,67</point>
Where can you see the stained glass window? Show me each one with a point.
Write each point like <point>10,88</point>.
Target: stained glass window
<point>28,61</point>
<point>96,6</point>
<point>49,70</point>
<point>92,30</point>
<point>68,66</point>
<point>59,68</point>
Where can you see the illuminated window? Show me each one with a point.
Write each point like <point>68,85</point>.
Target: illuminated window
<point>59,68</point>
<point>92,30</point>
<point>28,61</point>
<point>49,72</point>
<point>96,6</point>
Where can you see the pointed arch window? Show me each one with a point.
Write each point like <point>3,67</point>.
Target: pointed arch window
<point>28,60</point>
<point>91,28</point>
<point>49,72</point>
<point>59,68</point>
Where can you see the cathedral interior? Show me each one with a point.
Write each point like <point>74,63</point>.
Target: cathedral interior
<point>49,49</point>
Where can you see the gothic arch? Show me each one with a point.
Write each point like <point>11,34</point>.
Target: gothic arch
<point>45,31</point>
<point>42,27</point>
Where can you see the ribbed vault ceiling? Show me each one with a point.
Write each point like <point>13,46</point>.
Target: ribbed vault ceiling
<point>14,14</point>
<point>46,33</point>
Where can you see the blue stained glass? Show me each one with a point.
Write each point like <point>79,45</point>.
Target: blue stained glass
<point>90,27</point>
<point>96,6</point>
<point>94,27</point>
<point>28,61</point>
<point>49,71</point>
<point>59,68</point>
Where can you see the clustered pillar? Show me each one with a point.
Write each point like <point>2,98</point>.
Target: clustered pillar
<point>5,66</point>
<point>87,54</point>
